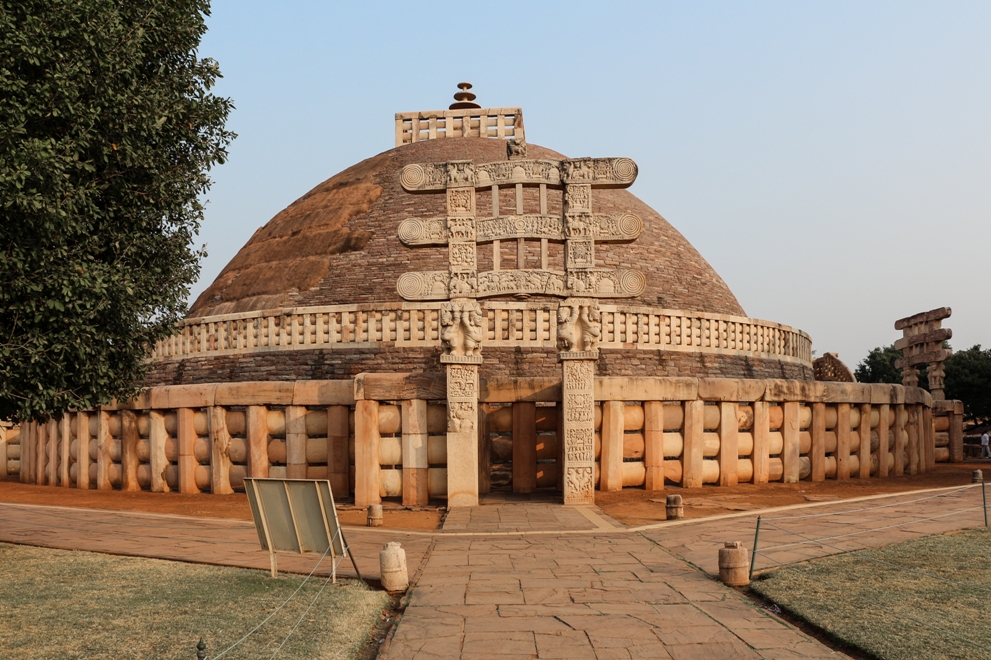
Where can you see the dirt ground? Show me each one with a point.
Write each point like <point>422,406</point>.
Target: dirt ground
<point>208,506</point>
<point>637,507</point>
<point>632,506</point>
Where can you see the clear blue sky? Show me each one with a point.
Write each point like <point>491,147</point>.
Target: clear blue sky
<point>832,161</point>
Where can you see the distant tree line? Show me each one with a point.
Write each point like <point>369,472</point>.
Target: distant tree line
<point>968,376</point>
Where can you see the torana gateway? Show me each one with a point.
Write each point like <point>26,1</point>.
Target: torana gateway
<point>468,312</point>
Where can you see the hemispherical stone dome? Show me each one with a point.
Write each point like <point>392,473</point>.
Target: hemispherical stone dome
<point>313,294</point>
<point>339,243</point>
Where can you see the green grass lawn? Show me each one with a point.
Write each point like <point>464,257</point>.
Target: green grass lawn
<point>62,604</point>
<point>871,605</point>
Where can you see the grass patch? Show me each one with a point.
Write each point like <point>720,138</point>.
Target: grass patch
<point>64,604</point>
<point>870,605</point>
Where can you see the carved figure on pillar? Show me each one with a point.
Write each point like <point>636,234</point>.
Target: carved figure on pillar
<point>516,148</point>
<point>461,331</point>
<point>579,327</point>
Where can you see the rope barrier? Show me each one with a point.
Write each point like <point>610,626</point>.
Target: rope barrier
<point>276,611</point>
<point>864,531</point>
<point>301,616</point>
<point>874,508</point>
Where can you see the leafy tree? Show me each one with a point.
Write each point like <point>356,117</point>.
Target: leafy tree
<point>107,133</point>
<point>968,378</point>
<point>879,366</point>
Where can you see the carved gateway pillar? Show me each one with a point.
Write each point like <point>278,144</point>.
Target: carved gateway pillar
<point>578,331</point>
<point>461,335</point>
<point>579,228</point>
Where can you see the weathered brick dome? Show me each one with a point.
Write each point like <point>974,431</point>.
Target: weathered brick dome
<point>313,294</point>
<point>338,244</point>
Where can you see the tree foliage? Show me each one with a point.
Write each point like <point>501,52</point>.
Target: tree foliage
<point>968,378</point>
<point>107,133</point>
<point>879,366</point>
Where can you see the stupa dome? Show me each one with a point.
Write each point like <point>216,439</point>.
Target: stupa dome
<point>361,273</point>
<point>339,243</point>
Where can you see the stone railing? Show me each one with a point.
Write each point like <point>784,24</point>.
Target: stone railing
<point>498,123</point>
<point>384,435</point>
<point>506,324</point>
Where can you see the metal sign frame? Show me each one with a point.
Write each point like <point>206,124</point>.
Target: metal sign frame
<point>297,515</point>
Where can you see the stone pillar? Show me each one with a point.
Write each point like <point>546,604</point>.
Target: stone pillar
<point>26,436</point>
<point>129,451</point>
<point>865,441</point>
<point>462,438</point>
<point>912,427</point>
<point>937,376</point>
<point>338,458</point>
<point>578,423</point>
<point>884,446</point>
<point>157,460</point>
<point>956,433</point>
<point>484,451</point>
<point>762,432</point>
<point>901,419</point>
<point>842,441</point>
<point>64,460</point>
<point>296,442</point>
<point>729,434</point>
<point>792,440</point>
<point>186,437</point>
<point>414,452</point>
<point>103,441</point>
<point>220,459</point>
<point>51,475</point>
<point>256,430</point>
<point>366,453</point>
<point>578,331</point>
<point>461,338</point>
<point>82,455</point>
<point>524,447</point>
<point>653,444</point>
<point>818,452</point>
<point>611,454</point>
<point>693,431</point>
<point>929,439</point>
<point>40,437</point>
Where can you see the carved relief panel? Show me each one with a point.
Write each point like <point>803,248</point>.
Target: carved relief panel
<point>579,431</point>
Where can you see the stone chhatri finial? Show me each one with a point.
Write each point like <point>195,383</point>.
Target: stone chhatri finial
<point>464,99</point>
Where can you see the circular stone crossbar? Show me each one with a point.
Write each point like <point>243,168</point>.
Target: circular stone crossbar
<point>506,324</point>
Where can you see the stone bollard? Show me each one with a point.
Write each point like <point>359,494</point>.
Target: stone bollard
<point>675,508</point>
<point>734,564</point>
<point>977,477</point>
<point>393,566</point>
<point>374,515</point>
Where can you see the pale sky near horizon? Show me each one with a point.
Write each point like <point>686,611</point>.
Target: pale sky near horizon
<point>831,161</point>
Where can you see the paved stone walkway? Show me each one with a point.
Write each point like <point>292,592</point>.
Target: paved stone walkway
<point>539,580</point>
<point>199,540</point>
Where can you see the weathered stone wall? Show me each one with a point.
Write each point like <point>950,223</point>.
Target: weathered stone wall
<point>519,361</point>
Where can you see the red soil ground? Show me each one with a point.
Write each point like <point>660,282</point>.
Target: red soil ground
<point>631,506</point>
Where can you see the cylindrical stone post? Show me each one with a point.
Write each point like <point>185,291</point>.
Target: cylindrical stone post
<point>734,565</point>
<point>415,465</point>
<point>366,453</point>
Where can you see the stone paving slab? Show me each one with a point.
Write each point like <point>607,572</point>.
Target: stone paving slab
<point>540,580</point>
<point>201,540</point>
<point>588,596</point>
